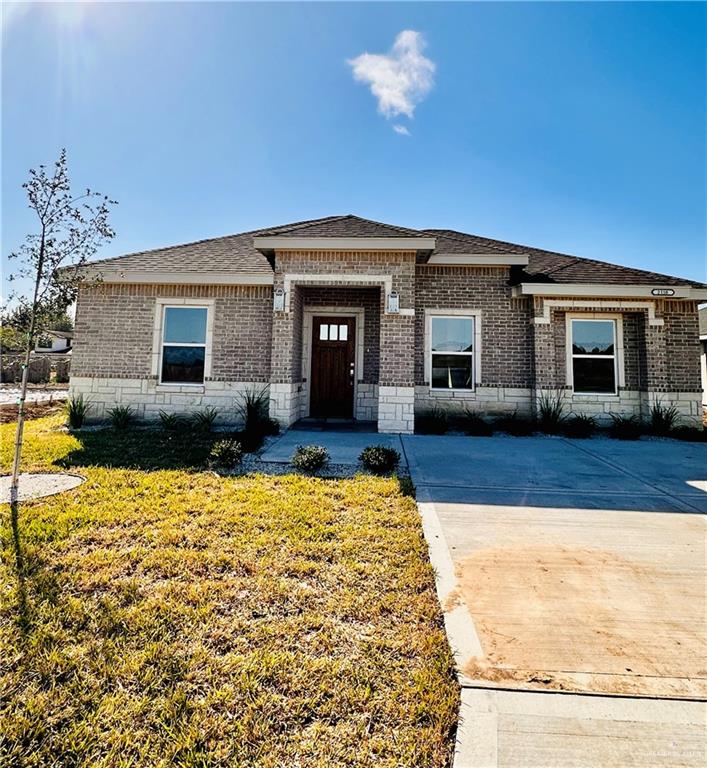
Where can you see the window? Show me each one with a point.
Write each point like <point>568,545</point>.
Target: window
<point>333,332</point>
<point>452,352</point>
<point>184,345</point>
<point>594,356</point>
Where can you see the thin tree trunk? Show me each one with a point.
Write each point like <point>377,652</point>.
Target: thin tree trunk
<point>14,485</point>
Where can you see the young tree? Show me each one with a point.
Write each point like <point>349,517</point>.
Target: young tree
<point>70,229</point>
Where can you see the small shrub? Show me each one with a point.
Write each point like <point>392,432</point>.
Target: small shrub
<point>171,421</point>
<point>121,416</point>
<point>310,458</point>
<point>76,407</point>
<point>690,434</point>
<point>379,458</point>
<point>580,426</point>
<point>434,422</point>
<point>475,425</point>
<point>551,409</point>
<point>226,453</point>
<point>204,420</point>
<point>516,425</point>
<point>663,418</point>
<point>625,427</point>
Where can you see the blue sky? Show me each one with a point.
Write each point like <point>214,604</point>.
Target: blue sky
<point>571,126</point>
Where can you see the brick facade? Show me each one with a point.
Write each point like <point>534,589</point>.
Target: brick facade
<point>522,344</point>
<point>115,323</point>
<point>505,321</point>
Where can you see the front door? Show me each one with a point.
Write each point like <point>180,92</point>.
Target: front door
<point>333,367</point>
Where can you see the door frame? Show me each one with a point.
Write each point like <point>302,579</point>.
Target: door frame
<point>308,314</point>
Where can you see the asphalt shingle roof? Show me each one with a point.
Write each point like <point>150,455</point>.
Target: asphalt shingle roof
<point>343,226</point>
<point>237,254</point>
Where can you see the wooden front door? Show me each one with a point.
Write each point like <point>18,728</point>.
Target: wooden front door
<point>333,367</point>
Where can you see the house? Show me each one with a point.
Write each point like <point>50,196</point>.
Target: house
<point>347,318</point>
<point>54,342</point>
<point>703,355</point>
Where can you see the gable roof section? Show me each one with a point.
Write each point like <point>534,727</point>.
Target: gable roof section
<point>551,266</point>
<point>235,255</point>
<point>343,226</point>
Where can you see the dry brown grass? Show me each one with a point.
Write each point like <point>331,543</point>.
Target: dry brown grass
<point>180,619</point>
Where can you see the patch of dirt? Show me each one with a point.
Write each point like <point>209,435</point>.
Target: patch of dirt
<point>563,618</point>
<point>8,412</point>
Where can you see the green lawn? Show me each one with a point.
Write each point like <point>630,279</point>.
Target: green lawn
<point>175,618</point>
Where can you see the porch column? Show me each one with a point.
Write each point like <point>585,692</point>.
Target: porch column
<point>396,387</point>
<point>286,359</point>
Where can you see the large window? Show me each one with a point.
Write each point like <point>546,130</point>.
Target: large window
<point>184,345</point>
<point>594,356</point>
<point>452,352</point>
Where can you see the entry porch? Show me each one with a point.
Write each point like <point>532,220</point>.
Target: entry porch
<point>339,353</point>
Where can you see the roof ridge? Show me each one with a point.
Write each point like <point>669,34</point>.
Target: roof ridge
<point>298,226</point>
<point>407,230</point>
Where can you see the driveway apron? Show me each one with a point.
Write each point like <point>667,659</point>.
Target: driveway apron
<point>572,579</point>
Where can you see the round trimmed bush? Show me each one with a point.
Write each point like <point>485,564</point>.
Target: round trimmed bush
<point>379,458</point>
<point>226,453</point>
<point>310,458</point>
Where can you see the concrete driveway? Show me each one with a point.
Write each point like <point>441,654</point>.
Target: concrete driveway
<point>572,576</point>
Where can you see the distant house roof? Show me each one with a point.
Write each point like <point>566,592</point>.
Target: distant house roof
<point>60,334</point>
<point>237,254</point>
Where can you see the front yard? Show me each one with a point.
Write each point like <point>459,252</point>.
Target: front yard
<point>175,618</point>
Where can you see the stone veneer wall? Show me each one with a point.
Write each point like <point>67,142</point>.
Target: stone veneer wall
<point>112,355</point>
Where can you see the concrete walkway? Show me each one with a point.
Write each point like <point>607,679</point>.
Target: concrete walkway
<point>568,570</point>
<point>343,447</point>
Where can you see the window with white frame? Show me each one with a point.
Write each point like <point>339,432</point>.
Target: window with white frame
<point>451,352</point>
<point>183,345</point>
<point>594,365</point>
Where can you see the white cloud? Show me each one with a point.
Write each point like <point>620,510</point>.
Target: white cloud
<point>401,129</point>
<point>400,79</point>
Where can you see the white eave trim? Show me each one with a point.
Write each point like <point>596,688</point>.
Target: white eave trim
<point>344,243</point>
<point>178,278</point>
<point>602,289</point>
<point>480,259</point>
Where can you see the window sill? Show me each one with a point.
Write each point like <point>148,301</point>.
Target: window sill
<point>604,395</point>
<point>185,388</point>
<point>442,392</point>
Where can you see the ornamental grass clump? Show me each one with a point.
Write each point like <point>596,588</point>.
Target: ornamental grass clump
<point>625,427</point>
<point>379,458</point>
<point>310,458</point>
<point>226,454</point>
<point>663,419</point>
<point>253,410</point>
<point>475,425</point>
<point>121,416</point>
<point>204,420</point>
<point>76,408</point>
<point>171,422</point>
<point>434,422</point>
<point>551,409</point>
<point>580,426</point>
